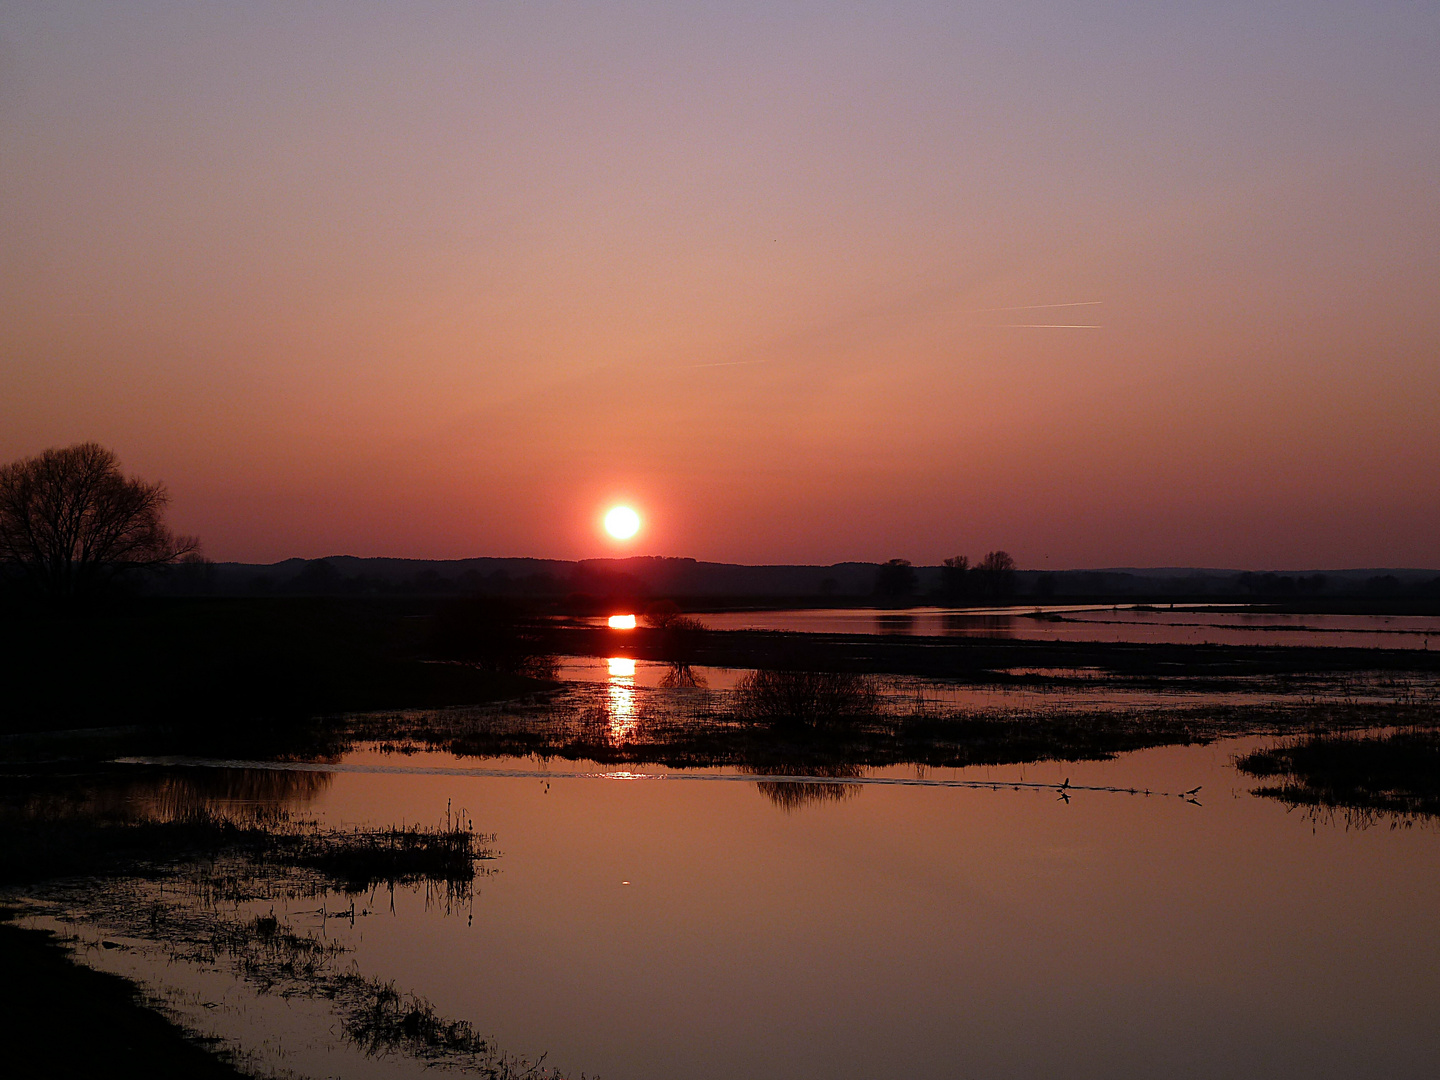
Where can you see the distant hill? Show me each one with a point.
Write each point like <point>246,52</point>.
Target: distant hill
<point>649,576</point>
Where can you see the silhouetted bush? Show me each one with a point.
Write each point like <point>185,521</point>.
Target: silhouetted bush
<point>805,697</point>
<point>661,614</point>
<point>679,635</point>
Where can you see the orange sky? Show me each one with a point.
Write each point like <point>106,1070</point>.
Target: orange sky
<point>448,282</point>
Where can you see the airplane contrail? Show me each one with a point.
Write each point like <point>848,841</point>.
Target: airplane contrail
<point>730,363</point>
<point>1036,307</point>
<point>1049,326</point>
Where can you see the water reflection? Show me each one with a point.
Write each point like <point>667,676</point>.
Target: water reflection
<point>895,623</point>
<point>1085,923</point>
<point>995,626</point>
<point>620,699</point>
<point>1228,624</point>
<point>682,677</point>
<point>792,795</point>
<point>240,794</point>
<point>929,934</point>
<point>648,673</point>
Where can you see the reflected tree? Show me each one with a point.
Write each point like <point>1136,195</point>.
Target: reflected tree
<point>792,795</point>
<point>682,677</point>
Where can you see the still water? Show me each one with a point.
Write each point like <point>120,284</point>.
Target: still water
<point>709,928</point>
<point>1217,625</point>
<point>629,685</point>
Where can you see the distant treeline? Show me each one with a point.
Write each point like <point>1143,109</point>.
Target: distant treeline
<point>74,527</point>
<point>992,578</point>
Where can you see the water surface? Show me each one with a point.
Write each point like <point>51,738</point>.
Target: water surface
<point>1216,625</point>
<point>658,928</point>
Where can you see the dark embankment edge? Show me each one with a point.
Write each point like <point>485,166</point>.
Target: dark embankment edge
<point>982,659</point>
<point>59,1020</point>
<point>196,664</point>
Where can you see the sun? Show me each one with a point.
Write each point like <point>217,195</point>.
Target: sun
<point>622,522</point>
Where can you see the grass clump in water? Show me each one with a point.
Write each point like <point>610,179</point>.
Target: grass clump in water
<point>1395,775</point>
<point>407,855</point>
<point>383,1019</point>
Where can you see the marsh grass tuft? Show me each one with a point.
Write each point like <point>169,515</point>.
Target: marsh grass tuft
<point>207,889</point>
<point>381,1019</point>
<point>1393,776</point>
<point>359,860</point>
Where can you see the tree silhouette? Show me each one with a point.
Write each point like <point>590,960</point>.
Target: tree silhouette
<point>955,577</point>
<point>72,523</point>
<point>895,578</point>
<point>996,572</point>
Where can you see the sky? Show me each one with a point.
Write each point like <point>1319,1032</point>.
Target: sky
<point>442,280</point>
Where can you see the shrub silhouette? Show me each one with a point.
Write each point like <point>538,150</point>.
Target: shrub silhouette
<point>805,697</point>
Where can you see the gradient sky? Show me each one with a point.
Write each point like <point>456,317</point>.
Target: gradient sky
<point>447,279</point>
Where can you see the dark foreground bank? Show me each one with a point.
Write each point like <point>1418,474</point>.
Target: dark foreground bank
<point>190,665</point>
<point>61,1020</point>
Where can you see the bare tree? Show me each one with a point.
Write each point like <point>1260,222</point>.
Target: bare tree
<point>955,577</point>
<point>997,574</point>
<point>71,522</point>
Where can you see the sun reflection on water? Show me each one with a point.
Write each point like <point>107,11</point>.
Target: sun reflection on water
<point>621,694</point>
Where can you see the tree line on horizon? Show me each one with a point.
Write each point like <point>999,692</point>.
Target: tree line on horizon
<point>990,579</point>
<point>72,525</point>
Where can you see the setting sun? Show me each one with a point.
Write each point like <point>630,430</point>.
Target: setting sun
<point>622,523</point>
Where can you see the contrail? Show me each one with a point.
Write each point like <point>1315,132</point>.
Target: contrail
<point>730,363</point>
<point>1049,326</point>
<point>1036,307</point>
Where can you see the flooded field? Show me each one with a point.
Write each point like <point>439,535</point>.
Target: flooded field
<point>650,868</point>
<point>907,923</point>
<point>629,683</point>
<point>1229,624</point>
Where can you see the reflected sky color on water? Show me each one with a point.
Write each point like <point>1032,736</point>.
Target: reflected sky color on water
<point>1088,688</point>
<point>919,932</point>
<point>1218,625</point>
